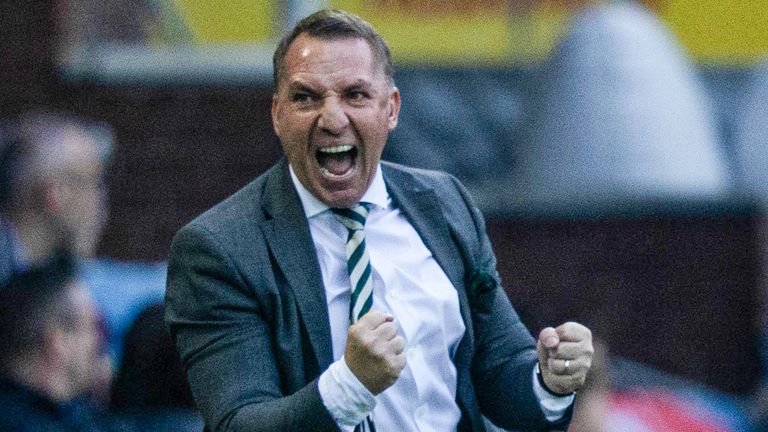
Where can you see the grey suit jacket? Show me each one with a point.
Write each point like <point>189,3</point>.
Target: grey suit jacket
<point>246,307</point>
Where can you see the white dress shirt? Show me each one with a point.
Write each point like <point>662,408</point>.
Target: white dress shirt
<point>410,285</point>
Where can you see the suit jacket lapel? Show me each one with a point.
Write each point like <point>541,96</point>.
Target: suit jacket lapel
<point>287,233</point>
<point>422,209</point>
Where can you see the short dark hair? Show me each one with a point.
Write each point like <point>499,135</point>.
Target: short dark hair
<point>335,24</point>
<point>31,300</point>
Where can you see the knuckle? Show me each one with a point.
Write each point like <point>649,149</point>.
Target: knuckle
<point>378,350</point>
<point>370,344</point>
<point>355,332</point>
<point>399,362</point>
<point>390,330</point>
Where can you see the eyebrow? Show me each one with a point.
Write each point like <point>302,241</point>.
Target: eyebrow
<point>359,83</point>
<point>299,86</point>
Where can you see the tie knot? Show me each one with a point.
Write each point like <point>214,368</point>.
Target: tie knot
<point>352,218</point>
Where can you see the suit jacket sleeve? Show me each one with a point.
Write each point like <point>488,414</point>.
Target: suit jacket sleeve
<point>504,350</point>
<point>222,332</point>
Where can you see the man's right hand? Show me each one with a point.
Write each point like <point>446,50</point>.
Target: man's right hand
<point>374,351</point>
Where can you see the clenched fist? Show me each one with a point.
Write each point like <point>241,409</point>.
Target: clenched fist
<point>565,356</point>
<point>374,351</point>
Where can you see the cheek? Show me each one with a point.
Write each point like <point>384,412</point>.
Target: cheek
<point>376,133</point>
<point>294,136</point>
<point>296,153</point>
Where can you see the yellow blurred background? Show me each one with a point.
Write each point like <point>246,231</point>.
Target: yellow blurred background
<point>488,32</point>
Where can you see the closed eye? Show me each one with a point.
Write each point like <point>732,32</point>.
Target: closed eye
<point>302,97</point>
<point>357,96</point>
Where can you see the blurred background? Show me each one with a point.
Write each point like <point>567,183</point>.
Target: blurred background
<point>619,150</point>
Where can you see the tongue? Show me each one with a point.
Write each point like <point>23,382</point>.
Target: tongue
<point>337,163</point>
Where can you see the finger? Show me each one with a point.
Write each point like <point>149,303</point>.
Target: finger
<point>570,350</point>
<point>385,332</point>
<point>398,362</point>
<point>548,338</point>
<point>573,332</point>
<point>565,366</point>
<point>373,319</point>
<point>397,345</point>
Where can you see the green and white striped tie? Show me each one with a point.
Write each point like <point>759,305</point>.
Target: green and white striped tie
<point>358,261</point>
<point>359,269</point>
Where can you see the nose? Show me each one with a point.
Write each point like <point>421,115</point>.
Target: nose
<point>333,118</point>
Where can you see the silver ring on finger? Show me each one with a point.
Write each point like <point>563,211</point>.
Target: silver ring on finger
<point>567,367</point>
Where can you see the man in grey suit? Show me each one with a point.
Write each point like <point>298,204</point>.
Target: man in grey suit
<point>259,300</point>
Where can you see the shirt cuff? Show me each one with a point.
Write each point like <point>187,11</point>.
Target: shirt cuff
<point>344,396</point>
<point>554,407</point>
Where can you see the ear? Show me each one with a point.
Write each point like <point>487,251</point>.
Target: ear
<point>275,110</point>
<point>394,108</point>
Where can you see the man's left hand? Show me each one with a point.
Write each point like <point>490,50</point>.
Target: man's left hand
<point>565,356</point>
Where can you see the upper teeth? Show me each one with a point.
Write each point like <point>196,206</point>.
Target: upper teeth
<point>336,149</point>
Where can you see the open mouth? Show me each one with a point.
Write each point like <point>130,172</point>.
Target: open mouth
<point>336,161</point>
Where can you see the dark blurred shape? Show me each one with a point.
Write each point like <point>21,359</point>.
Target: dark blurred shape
<point>150,374</point>
<point>9,149</point>
<point>686,283</point>
<point>27,54</point>
<point>29,299</point>
<point>459,120</point>
<point>150,389</point>
<point>8,153</point>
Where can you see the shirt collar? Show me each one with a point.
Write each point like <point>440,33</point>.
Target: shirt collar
<point>376,194</point>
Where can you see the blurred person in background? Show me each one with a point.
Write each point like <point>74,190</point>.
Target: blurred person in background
<point>50,350</point>
<point>150,389</point>
<point>53,194</point>
<point>653,402</point>
<point>52,197</point>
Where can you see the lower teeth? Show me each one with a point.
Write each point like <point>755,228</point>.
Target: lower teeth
<point>330,174</point>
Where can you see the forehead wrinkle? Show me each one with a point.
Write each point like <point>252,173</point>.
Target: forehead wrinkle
<point>301,83</point>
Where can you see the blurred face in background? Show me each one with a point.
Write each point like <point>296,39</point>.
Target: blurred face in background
<point>333,111</point>
<point>79,201</point>
<point>82,342</point>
